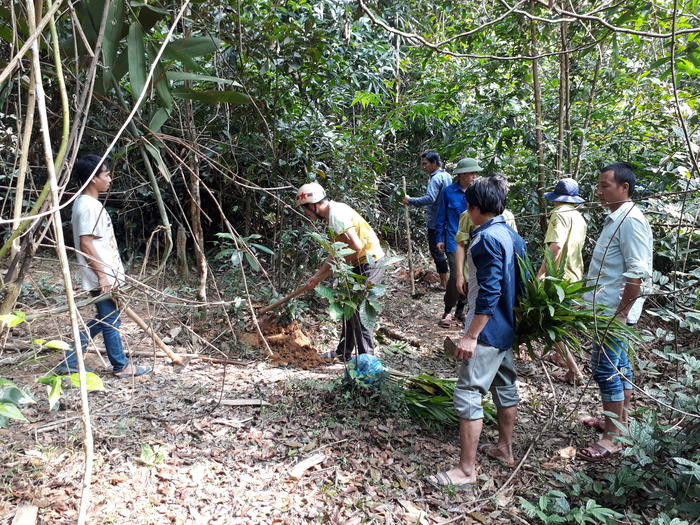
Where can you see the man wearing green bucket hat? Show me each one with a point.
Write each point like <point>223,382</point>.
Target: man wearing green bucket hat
<point>452,205</point>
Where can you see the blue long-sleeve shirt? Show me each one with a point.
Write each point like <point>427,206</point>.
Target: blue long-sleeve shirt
<point>439,179</point>
<point>452,204</point>
<point>494,280</point>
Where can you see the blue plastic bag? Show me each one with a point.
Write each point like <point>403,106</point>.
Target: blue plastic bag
<point>366,368</point>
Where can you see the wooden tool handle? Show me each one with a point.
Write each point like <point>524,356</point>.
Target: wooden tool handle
<point>407,218</point>
<point>157,340</point>
<point>289,297</point>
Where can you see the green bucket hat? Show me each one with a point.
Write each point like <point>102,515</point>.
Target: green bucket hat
<point>467,165</point>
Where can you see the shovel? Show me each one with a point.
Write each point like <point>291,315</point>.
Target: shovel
<point>179,362</point>
<point>289,297</point>
<point>449,346</point>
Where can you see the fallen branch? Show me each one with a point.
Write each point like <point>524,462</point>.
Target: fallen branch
<point>145,353</point>
<point>393,334</point>
<point>300,468</point>
<point>244,402</point>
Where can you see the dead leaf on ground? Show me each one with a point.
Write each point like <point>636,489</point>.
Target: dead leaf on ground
<point>568,452</point>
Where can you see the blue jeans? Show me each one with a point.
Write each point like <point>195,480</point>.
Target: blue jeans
<point>606,361</point>
<point>107,322</point>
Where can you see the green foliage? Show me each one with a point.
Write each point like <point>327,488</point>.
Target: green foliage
<point>54,385</point>
<point>553,309</point>
<point>431,400</point>
<point>659,466</point>
<point>12,399</point>
<point>54,344</point>
<point>554,507</point>
<point>12,320</point>
<point>151,457</point>
<point>53,388</point>
<point>246,250</point>
<point>353,292</point>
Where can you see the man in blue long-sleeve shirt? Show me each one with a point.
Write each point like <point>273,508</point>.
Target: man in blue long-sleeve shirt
<point>486,346</point>
<point>431,163</point>
<point>452,204</point>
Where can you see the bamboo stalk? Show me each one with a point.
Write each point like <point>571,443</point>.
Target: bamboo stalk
<point>63,260</point>
<point>407,218</point>
<point>539,138</point>
<point>36,32</point>
<point>24,159</point>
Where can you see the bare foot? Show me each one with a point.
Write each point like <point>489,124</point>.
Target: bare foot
<point>494,452</point>
<point>609,445</point>
<point>455,477</point>
<point>593,422</point>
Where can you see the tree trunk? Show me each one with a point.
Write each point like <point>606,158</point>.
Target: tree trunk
<point>563,96</point>
<point>198,234</point>
<point>181,252</point>
<point>196,200</point>
<point>537,91</point>
<point>586,120</point>
<point>23,160</point>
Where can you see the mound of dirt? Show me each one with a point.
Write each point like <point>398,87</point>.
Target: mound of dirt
<point>421,275</point>
<point>289,344</point>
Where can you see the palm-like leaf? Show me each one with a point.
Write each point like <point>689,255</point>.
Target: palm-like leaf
<point>553,309</point>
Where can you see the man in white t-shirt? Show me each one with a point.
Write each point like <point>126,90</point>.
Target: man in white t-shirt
<point>100,265</point>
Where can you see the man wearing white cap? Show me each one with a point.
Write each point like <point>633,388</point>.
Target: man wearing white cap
<point>349,227</point>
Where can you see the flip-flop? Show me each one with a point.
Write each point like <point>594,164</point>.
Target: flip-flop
<point>486,448</point>
<point>446,321</point>
<point>595,453</point>
<point>442,480</point>
<point>592,422</point>
<point>138,371</point>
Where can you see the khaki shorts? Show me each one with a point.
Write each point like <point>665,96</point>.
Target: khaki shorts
<point>489,369</point>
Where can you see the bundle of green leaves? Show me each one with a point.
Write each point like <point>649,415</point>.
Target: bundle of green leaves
<point>552,309</point>
<point>430,399</point>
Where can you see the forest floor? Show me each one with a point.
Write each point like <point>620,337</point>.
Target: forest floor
<point>183,448</point>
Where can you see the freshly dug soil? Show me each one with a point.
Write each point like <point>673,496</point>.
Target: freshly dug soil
<point>289,344</point>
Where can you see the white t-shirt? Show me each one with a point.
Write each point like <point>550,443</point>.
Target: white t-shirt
<point>90,218</point>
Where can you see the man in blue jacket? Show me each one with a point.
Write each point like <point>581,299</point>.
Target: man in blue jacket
<point>452,204</point>
<point>486,346</point>
<point>431,163</point>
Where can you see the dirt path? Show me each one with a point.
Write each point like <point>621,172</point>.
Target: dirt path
<point>167,452</point>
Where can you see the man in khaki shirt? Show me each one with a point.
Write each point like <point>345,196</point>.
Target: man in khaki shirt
<point>566,234</point>
<point>464,232</point>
